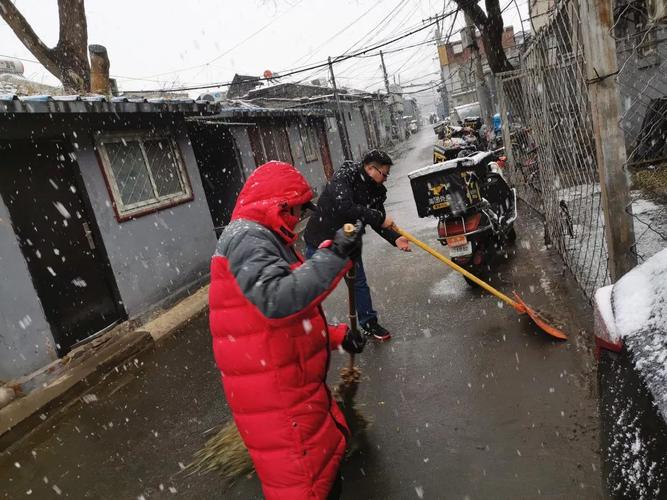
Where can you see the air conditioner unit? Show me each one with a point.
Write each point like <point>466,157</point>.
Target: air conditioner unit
<point>656,11</point>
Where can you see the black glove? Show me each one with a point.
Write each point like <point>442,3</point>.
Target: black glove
<point>348,246</point>
<point>354,341</point>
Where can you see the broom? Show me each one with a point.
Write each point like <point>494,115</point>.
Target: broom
<point>350,375</point>
<point>226,452</point>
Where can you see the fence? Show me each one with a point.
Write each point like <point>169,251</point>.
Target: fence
<point>547,128</point>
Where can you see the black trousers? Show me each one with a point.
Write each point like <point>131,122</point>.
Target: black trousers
<point>336,489</point>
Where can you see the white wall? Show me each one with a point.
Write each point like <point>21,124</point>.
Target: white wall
<point>156,256</point>
<point>26,343</point>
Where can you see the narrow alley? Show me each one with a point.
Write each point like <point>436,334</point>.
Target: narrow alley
<point>467,400</point>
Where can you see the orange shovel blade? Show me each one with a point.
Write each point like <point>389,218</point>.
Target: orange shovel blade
<point>539,321</point>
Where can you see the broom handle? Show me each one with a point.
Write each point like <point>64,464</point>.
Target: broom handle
<point>457,268</point>
<point>350,277</point>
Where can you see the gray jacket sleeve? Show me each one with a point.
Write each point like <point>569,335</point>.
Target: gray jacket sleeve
<point>267,280</point>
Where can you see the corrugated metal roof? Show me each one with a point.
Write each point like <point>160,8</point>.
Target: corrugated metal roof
<point>258,112</point>
<point>12,103</point>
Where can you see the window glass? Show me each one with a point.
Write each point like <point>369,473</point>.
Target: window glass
<point>130,172</point>
<point>163,167</point>
<point>143,173</point>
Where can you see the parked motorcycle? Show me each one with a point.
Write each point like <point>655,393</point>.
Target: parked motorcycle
<point>453,142</point>
<point>475,207</point>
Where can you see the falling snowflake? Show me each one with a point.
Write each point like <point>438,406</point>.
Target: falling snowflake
<point>307,326</point>
<point>62,210</point>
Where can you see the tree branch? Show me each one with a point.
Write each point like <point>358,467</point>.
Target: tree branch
<point>27,35</point>
<point>491,29</point>
<point>493,38</point>
<point>475,12</point>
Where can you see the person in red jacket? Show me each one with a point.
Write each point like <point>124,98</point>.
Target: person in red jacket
<point>271,340</point>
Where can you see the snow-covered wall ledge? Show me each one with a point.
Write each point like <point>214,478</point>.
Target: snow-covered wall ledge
<point>604,326</point>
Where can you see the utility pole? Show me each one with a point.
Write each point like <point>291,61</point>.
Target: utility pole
<point>443,85</point>
<point>394,128</point>
<point>601,66</point>
<point>340,118</point>
<point>483,94</point>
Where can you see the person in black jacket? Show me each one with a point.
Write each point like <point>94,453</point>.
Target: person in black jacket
<point>356,192</point>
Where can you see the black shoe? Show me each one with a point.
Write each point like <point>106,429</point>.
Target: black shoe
<point>376,330</point>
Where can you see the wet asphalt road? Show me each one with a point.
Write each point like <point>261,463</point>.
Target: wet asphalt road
<point>468,400</point>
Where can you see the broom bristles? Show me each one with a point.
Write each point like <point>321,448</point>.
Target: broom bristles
<point>226,452</point>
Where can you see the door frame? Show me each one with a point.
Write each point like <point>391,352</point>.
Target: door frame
<point>100,248</point>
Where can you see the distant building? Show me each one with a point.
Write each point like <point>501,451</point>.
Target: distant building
<point>12,81</point>
<point>459,72</point>
<point>412,109</point>
<point>366,116</point>
<point>242,84</point>
<point>538,10</point>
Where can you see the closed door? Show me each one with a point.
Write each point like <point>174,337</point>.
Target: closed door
<point>276,143</point>
<point>38,183</point>
<point>324,148</point>
<point>258,152</point>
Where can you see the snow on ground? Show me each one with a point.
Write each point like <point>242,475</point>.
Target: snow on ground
<point>640,310</point>
<point>585,250</point>
<point>650,226</point>
<point>452,285</point>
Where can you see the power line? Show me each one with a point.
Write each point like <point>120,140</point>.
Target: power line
<point>220,56</point>
<point>23,59</point>
<point>370,35</point>
<point>308,56</point>
<point>435,85</point>
<point>399,49</point>
<point>349,68</point>
<point>307,69</point>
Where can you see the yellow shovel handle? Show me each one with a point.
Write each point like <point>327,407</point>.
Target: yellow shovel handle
<point>458,268</point>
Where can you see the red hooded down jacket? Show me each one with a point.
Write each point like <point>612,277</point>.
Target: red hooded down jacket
<point>271,340</point>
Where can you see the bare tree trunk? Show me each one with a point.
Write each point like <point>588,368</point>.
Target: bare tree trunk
<point>491,28</point>
<point>68,60</point>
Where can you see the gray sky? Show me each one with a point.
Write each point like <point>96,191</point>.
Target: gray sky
<point>164,44</point>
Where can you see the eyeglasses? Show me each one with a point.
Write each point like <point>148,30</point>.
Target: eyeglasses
<point>383,174</point>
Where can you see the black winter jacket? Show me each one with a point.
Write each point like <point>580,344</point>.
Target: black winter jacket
<point>350,195</point>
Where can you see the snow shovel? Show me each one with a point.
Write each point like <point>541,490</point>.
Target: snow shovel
<point>519,305</point>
